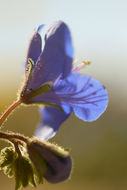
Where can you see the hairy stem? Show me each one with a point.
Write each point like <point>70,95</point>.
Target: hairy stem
<point>8,111</point>
<point>12,136</point>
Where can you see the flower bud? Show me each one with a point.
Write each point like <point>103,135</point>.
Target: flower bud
<point>58,163</point>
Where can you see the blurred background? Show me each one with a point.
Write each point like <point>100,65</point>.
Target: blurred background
<point>99,31</point>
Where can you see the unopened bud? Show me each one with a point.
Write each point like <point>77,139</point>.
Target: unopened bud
<point>58,163</point>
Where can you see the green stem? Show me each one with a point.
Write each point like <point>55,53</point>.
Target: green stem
<point>17,149</point>
<point>8,111</point>
<point>12,136</point>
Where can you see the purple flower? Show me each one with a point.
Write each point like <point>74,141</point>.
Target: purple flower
<point>50,80</point>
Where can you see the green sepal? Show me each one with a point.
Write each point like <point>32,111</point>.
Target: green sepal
<point>46,87</point>
<point>29,70</point>
<point>29,66</point>
<point>7,160</point>
<point>25,97</point>
<point>24,173</point>
<point>43,89</point>
<point>9,171</point>
<point>17,166</point>
<point>57,150</point>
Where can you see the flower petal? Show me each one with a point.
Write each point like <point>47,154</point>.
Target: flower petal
<point>56,58</point>
<point>86,96</point>
<point>50,123</point>
<point>95,101</point>
<point>35,45</point>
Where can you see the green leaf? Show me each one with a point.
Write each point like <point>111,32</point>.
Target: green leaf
<point>7,156</point>
<point>17,166</point>
<point>24,173</point>
<point>7,159</point>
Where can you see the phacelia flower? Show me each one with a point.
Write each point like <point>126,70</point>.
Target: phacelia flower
<point>51,81</point>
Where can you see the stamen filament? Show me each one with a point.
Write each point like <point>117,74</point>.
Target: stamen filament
<point>80,66</point>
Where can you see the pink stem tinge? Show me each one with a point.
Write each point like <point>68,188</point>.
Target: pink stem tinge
<point>8,111</point>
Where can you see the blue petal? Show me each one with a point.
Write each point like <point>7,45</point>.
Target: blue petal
<point>40,27</point>
<point>86,96</point>
<point>94,98</point>
<point>56,58</point>
<point>34,48</point>
<point>51,119</point>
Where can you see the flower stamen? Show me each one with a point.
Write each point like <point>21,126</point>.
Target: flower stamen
<point>81,66</point>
